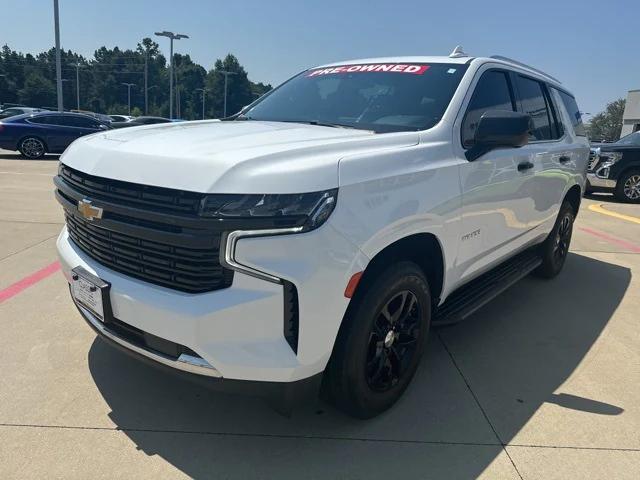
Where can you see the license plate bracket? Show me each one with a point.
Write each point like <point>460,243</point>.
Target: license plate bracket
<point>91,293</point>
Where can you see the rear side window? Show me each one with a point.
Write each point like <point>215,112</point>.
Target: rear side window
<point>535,102</point>
<point>574,113</point>
<point>492,92</point>
<point>39,120</point>
<point>58,120</point>
<point>80,122</point>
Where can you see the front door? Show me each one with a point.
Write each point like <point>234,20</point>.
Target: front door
<point>498,215</point>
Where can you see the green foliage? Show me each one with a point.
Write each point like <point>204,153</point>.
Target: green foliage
<point>30,80</point>
<point>37,90</point>
<point>607,125</point>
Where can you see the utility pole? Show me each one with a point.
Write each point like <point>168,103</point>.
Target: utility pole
<point>177,88</point>
<point>129,85</point>
<point>203,90</point>
<point>56,21</point>
<point>77,86</point>
<point>146,79</point>
<point>226,76</point>
<point>171,36</point>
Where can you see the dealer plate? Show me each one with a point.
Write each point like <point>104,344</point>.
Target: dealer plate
<point>87,294</point>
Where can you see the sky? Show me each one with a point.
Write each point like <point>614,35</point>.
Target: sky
<point>592,47</point>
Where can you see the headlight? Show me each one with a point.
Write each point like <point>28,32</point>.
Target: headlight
<point>610,157</point>
<point>309,210</point>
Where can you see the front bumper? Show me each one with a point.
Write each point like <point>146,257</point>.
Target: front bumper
<point>282,396</point>
<point>596,182</point>
<point>238,331</point>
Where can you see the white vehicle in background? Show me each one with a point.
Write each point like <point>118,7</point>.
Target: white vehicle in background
<point>310,241</point>
<point>121,118</point>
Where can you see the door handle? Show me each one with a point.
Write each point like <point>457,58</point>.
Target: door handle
<point>564,159</point>
<point>524,166</point>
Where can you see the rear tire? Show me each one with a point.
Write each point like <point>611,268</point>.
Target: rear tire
<point>628,187</point>
<point>32,148</point>
<point>380,343</point>
<point>556,247</point>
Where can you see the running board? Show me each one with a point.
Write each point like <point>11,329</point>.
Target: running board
<point>470,297</point>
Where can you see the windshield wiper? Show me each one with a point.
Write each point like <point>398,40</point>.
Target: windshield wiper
<point>321,124</point>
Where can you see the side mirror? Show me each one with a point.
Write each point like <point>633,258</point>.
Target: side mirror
<point>103,126</point>
<point>499,128</point>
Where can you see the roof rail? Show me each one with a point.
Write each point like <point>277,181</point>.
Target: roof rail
<point>528,67</point>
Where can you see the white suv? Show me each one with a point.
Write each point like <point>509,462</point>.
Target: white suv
<point>308,243</point>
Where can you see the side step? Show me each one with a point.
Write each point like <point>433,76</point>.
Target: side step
<point>470,297</point>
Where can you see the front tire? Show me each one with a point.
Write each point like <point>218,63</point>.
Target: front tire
<point>380,344</point>
<point>32,148</point>
<point>556,247</point>
<point>628,187</point>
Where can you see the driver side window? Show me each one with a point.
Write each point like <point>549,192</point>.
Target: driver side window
<point>493,92</point>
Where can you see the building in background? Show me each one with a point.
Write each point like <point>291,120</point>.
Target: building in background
<point>631,115</point>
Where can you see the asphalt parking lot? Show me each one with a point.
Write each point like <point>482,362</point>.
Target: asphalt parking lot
<point>542,383</point>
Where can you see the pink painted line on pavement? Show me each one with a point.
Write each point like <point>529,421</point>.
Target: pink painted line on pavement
<point>26,282</point>
<point>613,240</point>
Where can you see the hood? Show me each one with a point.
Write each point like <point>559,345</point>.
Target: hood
<point>612,147</point>
<point>227,157</point>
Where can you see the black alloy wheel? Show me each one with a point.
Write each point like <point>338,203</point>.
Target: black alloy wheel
<point>393,341</point>
<point>380,342</point>
<point>555,249</point>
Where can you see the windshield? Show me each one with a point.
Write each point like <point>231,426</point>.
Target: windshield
<point>380,97</point>
<point>632,139</point>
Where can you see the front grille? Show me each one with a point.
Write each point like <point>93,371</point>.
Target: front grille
<point>142,196</point>
<point>182,257</point>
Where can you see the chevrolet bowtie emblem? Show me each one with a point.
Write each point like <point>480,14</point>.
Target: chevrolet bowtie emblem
<point>88,211</point>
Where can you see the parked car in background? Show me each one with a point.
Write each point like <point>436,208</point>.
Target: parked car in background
<point>35,134</point>
<point>140,121</point>
<point>12,111</point>
<point>121,118</point>
<point>615,167</point>
<point>98,116</point>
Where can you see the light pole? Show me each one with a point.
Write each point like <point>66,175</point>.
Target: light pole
<point>77,86</point>
<point>129,85</point>
<point>226,76</point>
<point>146,88</point>
<point>203,90</point>
<point>56,21</point>
<point>171,36</point>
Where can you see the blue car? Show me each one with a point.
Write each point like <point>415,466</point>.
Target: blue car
<point>35,134</point>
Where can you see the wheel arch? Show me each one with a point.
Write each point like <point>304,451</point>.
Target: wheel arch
<point>630,166</point>
<point>574,197</point>
<point>424,249</point>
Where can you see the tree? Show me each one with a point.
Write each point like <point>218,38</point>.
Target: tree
<point>607,125</point>
<point>239,91</point>
<point>30,80</point>
<point>37,91</point>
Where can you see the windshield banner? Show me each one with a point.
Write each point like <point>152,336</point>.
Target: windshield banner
<point>379,67</point>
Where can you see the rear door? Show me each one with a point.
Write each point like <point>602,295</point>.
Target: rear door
<point>498,213</point>
<point>552,156</point>
<point>57,132</point>
<point>67,128</point>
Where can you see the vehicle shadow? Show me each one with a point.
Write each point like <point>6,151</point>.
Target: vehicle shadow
<point>515,352</point>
